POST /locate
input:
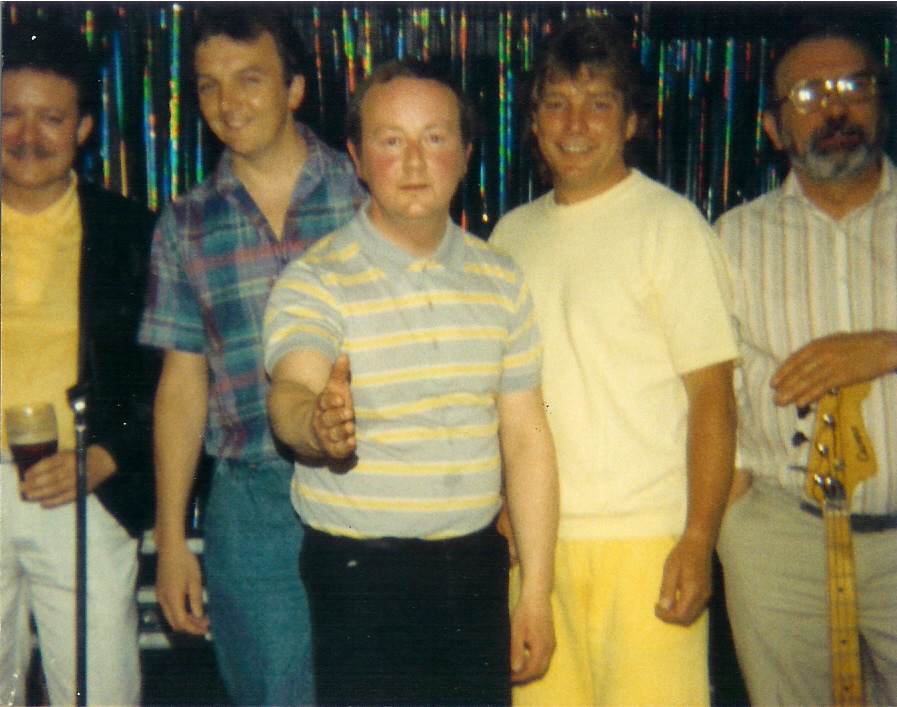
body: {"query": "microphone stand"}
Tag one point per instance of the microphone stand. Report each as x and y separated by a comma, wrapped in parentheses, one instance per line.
(78, 403)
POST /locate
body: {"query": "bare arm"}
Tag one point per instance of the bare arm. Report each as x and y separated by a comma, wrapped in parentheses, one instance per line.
(833, 361)
(686, 583)
(179, 415)
(531, 486)
(310, 405)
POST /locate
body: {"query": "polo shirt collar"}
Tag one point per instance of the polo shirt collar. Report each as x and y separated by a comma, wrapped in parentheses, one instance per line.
(393, 258)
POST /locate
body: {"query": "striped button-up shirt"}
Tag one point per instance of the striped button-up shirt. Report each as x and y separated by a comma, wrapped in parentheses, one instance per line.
(800, 275)
(432, 343)
(214, 261)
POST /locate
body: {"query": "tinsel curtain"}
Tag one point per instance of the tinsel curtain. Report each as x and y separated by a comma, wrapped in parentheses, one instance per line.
(704, 61)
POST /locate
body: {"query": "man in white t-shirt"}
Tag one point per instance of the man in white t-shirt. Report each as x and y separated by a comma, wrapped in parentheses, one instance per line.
(626, 282)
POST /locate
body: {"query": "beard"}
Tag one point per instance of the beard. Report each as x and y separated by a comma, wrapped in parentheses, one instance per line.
(853, 151)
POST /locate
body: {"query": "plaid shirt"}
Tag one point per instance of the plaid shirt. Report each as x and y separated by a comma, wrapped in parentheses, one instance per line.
(215, 259)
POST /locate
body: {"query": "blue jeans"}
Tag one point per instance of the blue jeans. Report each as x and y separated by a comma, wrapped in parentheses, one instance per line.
(257, 603)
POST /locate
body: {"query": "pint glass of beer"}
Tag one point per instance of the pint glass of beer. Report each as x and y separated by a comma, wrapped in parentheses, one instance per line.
(31, 432)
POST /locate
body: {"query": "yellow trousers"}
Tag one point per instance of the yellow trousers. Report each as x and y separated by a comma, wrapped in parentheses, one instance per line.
(611, 648)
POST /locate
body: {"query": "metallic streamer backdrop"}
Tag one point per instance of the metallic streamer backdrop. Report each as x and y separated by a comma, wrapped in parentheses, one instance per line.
(704, 61)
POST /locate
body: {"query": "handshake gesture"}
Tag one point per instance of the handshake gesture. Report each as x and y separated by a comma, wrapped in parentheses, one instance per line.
(333, 420)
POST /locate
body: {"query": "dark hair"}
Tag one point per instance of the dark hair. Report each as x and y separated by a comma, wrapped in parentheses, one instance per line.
(246, 22)
(53, 47)
(599, 44)
(410, 68)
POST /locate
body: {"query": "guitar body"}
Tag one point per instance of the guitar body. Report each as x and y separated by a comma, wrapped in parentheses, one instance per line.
(841, 457)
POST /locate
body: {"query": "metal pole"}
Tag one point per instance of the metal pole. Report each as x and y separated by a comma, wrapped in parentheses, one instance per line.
(79, 405)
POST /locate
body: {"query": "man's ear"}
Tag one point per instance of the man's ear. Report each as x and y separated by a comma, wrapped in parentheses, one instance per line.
(85, 126)
(772, 127)
(631, 125)
(353, 153)
(296, 91)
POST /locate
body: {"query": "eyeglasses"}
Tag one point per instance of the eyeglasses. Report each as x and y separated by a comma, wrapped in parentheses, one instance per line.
(810, 95)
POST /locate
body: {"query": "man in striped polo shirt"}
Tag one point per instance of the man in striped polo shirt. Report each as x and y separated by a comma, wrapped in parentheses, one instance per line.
(815, 272)
(402, 462)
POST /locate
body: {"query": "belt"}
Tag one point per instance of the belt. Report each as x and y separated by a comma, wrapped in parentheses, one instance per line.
(392, 544)
(859, 522)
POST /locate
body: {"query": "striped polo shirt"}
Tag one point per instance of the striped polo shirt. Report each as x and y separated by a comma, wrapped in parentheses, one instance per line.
(432, 342)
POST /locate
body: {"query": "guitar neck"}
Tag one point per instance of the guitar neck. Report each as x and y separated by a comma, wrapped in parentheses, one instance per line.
(847, 681)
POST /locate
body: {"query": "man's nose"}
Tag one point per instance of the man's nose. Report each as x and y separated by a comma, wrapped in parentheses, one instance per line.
(27, 131)
(575, 119)
(227, 97)
(414, 152)
(833, 103)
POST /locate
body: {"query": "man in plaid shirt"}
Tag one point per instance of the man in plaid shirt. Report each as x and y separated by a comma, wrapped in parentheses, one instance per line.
(216, 253)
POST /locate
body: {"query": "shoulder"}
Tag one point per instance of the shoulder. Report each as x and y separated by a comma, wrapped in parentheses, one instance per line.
(490, 261)
(99, 201)
(518, 220)
(333, 251)
(659, 201)
(104, 212)
(337, 171)
(750, 215)
(336, 161)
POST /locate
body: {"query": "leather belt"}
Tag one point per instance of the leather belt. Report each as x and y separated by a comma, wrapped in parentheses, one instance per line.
(859, 522)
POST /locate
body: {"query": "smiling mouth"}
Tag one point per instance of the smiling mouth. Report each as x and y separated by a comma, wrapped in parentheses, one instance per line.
(574, 148)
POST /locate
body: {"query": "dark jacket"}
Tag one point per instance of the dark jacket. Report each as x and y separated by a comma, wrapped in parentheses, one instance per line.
(118, 374)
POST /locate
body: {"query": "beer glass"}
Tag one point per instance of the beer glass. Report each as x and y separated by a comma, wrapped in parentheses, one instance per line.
(31, 432)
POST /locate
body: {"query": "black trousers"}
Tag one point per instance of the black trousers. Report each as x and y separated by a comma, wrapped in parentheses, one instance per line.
(409, 622)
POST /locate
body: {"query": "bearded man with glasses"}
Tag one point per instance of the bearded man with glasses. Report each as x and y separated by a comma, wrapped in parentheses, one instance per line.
(815, 281)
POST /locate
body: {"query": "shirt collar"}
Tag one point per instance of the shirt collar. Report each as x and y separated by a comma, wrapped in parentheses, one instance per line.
(385, 253)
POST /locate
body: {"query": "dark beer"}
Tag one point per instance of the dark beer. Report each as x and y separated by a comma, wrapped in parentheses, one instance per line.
(28, 454)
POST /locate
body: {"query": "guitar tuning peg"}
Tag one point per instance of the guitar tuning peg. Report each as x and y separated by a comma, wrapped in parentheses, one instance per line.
(799, 438)
(803, 411)
(822, 448)
(829, 419)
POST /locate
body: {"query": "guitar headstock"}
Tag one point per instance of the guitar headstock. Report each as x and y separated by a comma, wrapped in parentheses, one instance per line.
(841, 453)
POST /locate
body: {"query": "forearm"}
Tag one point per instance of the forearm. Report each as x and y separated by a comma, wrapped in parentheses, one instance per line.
(291, 409)
(531, 488)
(710, 455)
(179, 414)
(532, 500)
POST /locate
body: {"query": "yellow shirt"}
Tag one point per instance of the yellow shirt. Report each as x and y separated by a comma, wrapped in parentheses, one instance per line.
(39, 264)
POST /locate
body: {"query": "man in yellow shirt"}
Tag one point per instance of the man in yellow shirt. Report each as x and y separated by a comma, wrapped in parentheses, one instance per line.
(73, 276)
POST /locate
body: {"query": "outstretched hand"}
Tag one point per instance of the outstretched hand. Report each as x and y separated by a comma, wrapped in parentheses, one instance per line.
(334, 415)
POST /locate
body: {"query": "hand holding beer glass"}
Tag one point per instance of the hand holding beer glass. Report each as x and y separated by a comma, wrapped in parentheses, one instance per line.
(32, 434)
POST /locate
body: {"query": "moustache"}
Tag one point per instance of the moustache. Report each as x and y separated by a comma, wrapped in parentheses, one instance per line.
(24, 150)
(842, 129)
